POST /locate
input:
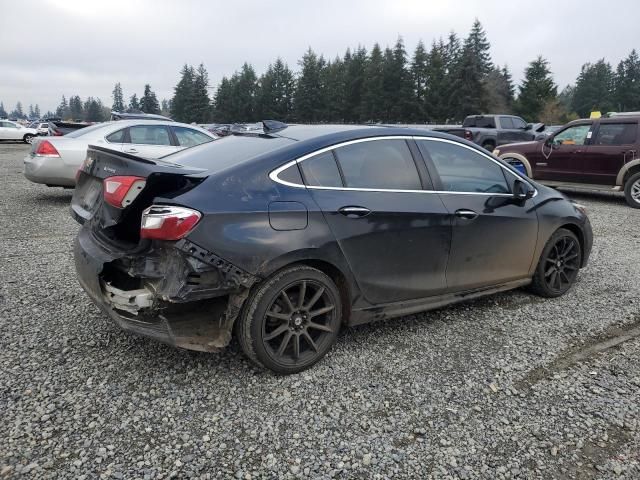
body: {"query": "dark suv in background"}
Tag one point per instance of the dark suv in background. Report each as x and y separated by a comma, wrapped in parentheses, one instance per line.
(590, 154)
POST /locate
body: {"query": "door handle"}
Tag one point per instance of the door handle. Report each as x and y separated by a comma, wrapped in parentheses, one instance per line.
(131, 150)
(466, 214)
(354, 212)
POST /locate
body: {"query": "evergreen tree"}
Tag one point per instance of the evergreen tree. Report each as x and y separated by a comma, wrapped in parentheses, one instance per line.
(223, 102)
(118, 99)
(63, 109)
(183, 95)
(627, 84)
(36, 111)
(308, 99)
(93, 111)
(500, 90)
(469, 74)
(244, 89)
(149, 102)
(76, 110)
(18, 112)
(3, 112)
(165, 107)
(200, 102)
(419, 77)
(594, 89)
(373, 87)
(333, 80)
(437, 89)
(355, 65)
(134, 104)
(536, 89)
(274, 97)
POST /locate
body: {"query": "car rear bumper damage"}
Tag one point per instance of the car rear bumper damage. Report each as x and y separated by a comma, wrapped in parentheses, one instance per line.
(176, 292)
(49, 170)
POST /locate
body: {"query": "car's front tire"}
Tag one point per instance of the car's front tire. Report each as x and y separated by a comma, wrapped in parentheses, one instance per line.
(558, 266)
(291, 320)
(632, 190)
(28, 138)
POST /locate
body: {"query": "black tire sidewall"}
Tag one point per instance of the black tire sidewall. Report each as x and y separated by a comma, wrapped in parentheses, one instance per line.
(562, 232)
(261, 299)
(627, 190)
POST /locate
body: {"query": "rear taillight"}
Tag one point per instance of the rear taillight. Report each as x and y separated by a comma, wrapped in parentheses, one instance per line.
(46, 149)
(468, 135)
(120, 191)
(165, 222)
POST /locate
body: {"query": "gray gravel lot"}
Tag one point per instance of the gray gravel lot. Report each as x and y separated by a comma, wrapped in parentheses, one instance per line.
(503, 387)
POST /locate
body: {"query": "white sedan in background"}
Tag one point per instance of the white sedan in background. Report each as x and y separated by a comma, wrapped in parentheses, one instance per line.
(14, 131)
(54, 161)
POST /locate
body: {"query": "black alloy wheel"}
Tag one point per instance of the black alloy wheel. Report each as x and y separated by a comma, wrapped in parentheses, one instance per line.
(291, 320)
(559, 265)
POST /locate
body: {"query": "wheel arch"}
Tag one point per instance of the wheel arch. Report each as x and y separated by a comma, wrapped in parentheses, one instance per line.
(577, 231)
(628, 170)
(521, 158)
(340, 274)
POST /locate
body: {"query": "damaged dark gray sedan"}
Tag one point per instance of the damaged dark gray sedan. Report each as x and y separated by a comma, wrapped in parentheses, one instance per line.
(285, 235)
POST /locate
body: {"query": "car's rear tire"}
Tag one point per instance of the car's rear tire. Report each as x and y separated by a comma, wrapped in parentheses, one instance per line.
(558, 266)
(28, 138)
(632, 190)
(291, 320)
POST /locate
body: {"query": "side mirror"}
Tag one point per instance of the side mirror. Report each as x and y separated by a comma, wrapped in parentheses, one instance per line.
(529, 126)
(522, 190)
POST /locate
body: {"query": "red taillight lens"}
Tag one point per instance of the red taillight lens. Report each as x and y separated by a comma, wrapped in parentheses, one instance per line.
(120, 191)
(46, 149)
(165, 222)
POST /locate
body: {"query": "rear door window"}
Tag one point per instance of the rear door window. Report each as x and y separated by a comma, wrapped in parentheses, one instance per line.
(378, 164)
(616, 134)
(188, 137)
(463, 170)
(149, 135)
(321, 171)
(518, 123)
(506, 123)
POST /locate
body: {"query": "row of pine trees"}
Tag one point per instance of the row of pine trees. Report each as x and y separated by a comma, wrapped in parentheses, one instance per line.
(444, 83)
(450, 80)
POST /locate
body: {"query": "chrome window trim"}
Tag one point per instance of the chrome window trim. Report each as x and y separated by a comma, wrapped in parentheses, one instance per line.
(274, 173)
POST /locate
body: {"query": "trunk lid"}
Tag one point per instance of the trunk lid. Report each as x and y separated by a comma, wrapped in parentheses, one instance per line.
(121, 226)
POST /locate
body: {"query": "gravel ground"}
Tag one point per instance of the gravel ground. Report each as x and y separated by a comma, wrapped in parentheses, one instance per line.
(503, 387)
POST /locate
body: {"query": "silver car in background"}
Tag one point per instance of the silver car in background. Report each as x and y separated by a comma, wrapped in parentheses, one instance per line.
(54, 161)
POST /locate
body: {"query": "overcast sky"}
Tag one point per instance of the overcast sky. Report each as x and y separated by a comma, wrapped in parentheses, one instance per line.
(53, 47)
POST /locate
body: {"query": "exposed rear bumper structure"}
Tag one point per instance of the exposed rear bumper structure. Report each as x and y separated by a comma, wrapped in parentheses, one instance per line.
(169, 295)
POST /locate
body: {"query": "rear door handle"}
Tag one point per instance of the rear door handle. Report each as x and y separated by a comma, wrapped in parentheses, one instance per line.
(354, 212)
(466, 214)
(131, 150)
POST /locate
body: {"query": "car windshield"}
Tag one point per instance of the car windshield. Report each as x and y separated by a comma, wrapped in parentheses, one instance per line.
(85, 130)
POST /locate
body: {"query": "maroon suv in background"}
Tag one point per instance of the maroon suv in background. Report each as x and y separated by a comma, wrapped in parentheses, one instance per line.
(592, 154)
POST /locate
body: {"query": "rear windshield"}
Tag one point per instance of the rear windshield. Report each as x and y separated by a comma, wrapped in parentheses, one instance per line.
(84, 130)
(479, 122)
(226, 152)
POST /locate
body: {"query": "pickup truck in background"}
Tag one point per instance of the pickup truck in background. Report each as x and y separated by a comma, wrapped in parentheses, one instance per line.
(491, 131)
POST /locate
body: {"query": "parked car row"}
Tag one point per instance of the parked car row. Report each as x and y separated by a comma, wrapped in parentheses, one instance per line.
(54, 161)
(14, 131)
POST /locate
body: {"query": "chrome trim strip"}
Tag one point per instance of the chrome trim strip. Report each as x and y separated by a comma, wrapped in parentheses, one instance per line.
(274, 173)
